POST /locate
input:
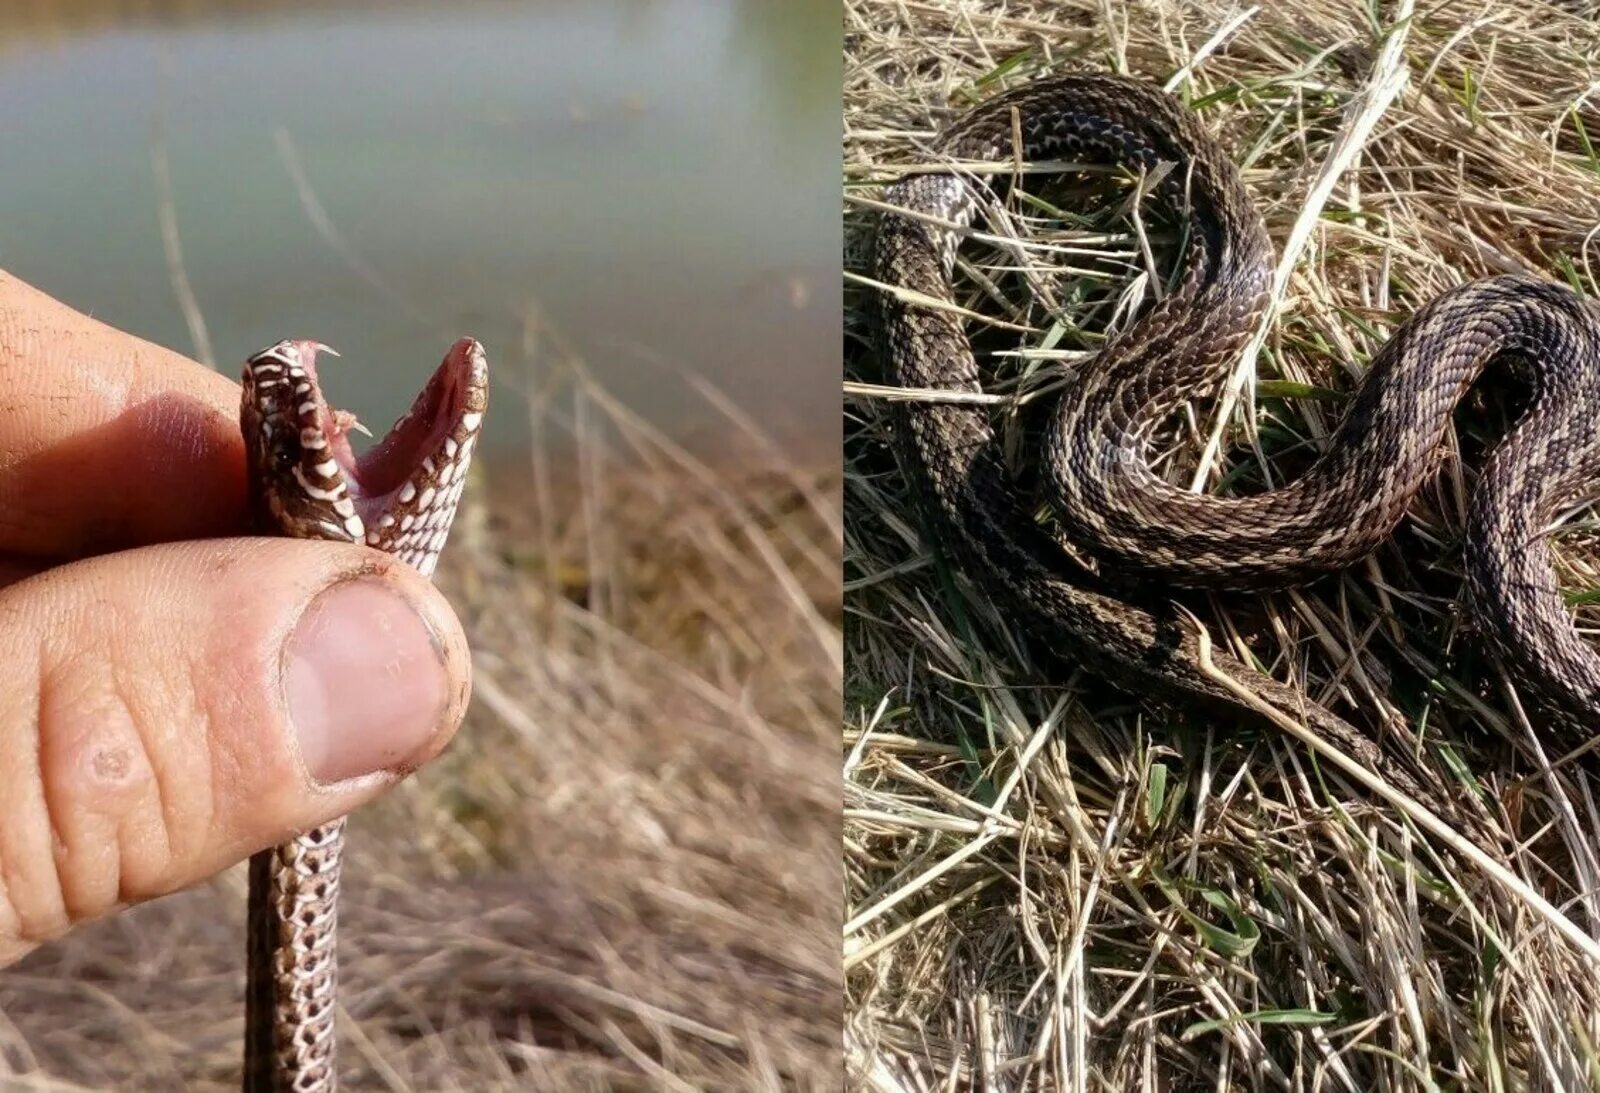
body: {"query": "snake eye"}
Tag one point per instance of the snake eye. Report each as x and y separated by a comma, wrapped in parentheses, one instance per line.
(284, 458)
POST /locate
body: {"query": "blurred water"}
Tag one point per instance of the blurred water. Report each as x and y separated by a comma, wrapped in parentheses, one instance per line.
(657, 178)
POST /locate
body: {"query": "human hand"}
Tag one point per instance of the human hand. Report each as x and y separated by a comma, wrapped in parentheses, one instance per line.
(171, 700)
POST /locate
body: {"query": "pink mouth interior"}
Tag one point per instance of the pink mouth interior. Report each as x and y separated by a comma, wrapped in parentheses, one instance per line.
(375, 476)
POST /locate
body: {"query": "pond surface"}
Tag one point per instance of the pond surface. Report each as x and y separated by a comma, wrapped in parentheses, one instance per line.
(654, 181)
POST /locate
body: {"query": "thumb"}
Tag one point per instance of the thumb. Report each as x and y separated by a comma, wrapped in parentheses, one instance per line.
(166, 712)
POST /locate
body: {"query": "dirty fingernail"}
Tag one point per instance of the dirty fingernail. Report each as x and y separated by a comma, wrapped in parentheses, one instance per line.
(365, 681)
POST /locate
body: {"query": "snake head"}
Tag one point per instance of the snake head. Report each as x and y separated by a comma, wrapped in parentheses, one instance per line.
(401, 495)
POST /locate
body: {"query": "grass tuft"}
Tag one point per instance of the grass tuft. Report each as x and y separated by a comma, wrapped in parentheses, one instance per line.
(1049, 886)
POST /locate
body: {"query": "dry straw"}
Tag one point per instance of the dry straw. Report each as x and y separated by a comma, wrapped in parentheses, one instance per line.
(1051, 887)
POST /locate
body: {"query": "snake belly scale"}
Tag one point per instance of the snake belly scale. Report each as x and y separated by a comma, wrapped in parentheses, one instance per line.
(400, 498)
(1114, 510)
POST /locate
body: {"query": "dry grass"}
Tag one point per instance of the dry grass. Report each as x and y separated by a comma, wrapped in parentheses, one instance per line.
(1048, 887)
(623, 875)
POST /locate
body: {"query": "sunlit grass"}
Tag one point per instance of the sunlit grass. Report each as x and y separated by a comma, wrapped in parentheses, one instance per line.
(1049, 886)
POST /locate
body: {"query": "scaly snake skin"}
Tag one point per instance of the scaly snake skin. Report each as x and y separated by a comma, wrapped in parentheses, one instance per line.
(1121, 523)
(399, 498)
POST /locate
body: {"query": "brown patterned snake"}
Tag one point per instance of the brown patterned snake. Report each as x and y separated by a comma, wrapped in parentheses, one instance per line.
(399, 498)
(1116, 511)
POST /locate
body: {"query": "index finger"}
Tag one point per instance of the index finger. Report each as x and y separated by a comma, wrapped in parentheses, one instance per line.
(108, 441)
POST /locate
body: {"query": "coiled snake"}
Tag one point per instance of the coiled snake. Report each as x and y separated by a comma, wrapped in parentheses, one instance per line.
(1115, 511)
(399, 498)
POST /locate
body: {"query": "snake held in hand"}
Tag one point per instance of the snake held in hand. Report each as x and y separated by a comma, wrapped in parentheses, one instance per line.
(400, 497)
(1116, 511)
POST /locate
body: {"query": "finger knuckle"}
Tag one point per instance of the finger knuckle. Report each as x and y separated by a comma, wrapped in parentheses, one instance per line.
(113, 831)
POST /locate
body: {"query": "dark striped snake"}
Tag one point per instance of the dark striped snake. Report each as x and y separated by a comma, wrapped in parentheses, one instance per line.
(1120, 524)
(400, 498)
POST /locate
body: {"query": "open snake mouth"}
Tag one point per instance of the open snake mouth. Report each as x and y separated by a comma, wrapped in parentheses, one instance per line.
(399, 495)
(419, 442)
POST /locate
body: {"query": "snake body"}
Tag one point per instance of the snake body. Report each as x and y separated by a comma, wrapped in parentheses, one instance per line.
(1120, 523)
(399, 498)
